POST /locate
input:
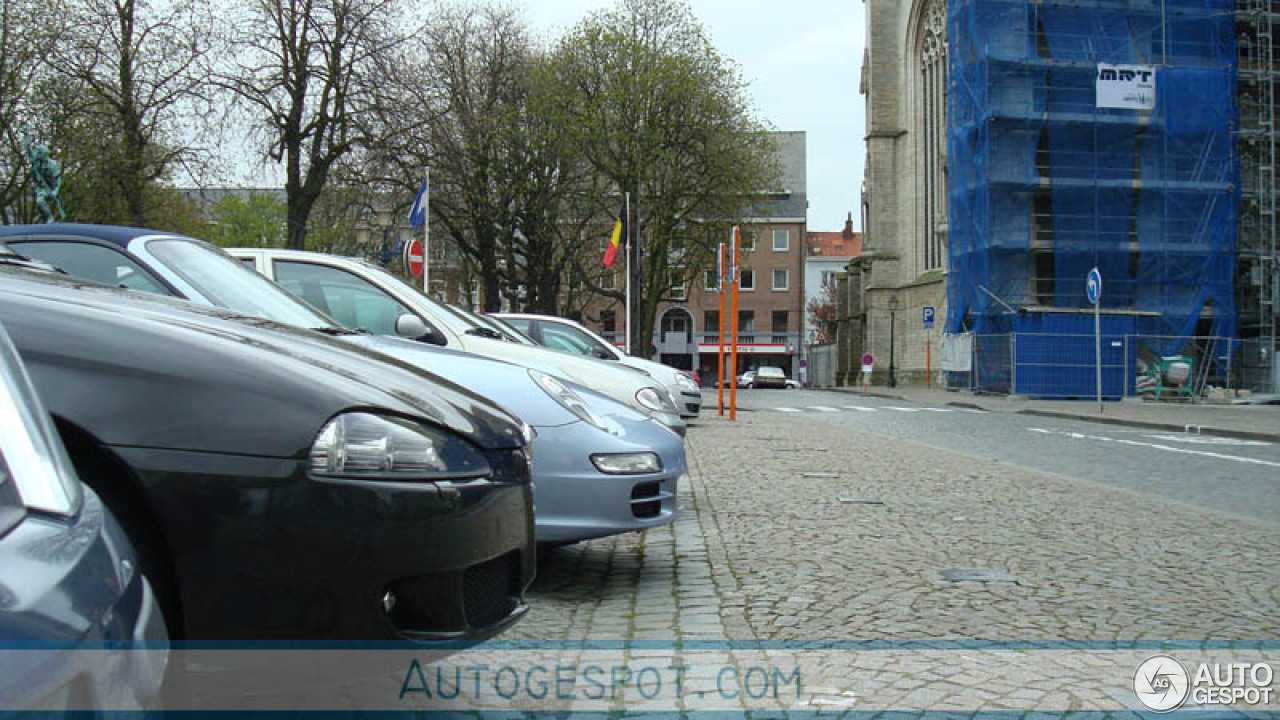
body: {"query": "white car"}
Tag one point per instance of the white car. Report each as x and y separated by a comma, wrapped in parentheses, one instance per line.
(564, 334)
(363, 296)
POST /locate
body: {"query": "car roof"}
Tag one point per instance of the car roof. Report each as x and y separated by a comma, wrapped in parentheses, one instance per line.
(115, 234)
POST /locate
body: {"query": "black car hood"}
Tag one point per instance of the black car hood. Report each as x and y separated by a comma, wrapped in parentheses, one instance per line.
(141, 370)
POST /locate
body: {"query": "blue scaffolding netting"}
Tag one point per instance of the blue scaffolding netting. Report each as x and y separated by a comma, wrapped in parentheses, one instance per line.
(1043, 184)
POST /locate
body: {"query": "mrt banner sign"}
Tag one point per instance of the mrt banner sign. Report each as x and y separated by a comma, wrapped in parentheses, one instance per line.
(1126, 87)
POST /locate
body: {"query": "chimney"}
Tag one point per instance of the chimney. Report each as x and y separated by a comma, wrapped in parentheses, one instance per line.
(848, 228)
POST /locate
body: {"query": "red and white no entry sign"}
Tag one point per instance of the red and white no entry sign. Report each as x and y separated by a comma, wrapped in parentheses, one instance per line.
(413, 257)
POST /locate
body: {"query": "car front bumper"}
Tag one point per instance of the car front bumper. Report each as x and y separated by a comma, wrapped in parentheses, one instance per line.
(575, 501)
(689, 402)
(263, 551)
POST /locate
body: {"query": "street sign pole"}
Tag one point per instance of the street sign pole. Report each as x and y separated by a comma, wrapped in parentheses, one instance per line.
(1093, 286)
(733, 325)
(928, 359)
(928, 345)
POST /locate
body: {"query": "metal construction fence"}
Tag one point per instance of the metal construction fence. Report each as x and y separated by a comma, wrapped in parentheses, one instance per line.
(1066, 366)
(822, 366)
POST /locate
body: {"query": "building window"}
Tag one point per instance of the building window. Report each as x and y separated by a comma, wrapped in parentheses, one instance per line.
(609, 280)
(608, 321)
(746, 321)
(709, 281)
(932, 92)
(711, 325)
(746, 240)
(781, 240)
(780, 321)
(747, 280)
(829, 278)
(781, 279)
(680, 293)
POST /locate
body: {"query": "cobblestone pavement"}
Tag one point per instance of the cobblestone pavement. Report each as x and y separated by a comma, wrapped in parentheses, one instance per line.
(765, 554)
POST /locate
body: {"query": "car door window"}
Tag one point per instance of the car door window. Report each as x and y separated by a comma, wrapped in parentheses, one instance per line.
(348, 298)
(571, 335)
(90, 261)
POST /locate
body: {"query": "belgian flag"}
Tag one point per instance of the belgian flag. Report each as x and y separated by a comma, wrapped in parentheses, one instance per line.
(616, 238)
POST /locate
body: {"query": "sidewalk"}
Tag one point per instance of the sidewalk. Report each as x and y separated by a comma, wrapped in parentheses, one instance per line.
(1253, 422)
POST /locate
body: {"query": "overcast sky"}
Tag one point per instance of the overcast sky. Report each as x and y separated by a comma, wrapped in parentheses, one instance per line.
(801, 60)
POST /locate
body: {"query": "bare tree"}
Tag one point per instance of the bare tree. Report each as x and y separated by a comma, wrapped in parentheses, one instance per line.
(310, 72)
(136, 70)
(27, 33)
(660, 114)
(502, 175)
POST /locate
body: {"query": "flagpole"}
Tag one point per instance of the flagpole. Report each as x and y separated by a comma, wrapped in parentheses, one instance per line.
(627, 226)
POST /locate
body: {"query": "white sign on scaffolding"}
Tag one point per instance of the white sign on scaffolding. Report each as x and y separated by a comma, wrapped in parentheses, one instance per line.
(1126, 87)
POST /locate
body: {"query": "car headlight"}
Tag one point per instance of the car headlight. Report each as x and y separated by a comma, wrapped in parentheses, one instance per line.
(572, 401)
(686, 382)
(658, 401)
(640, 463)
(364, 445)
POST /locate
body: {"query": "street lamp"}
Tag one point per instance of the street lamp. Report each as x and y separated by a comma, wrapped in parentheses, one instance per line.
(384, 221)
(893, 309)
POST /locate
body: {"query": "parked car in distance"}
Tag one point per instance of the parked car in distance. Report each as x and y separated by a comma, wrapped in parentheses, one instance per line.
(578, 430)
(363, 296)
(284, 485)
(752, 379)
(69, 578)
(565, 334)
(767, 376)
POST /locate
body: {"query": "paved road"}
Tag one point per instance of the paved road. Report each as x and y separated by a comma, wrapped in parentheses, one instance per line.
(831, 524)
(1226, 474)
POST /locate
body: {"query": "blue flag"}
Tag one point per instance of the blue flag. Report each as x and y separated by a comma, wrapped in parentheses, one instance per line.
(418, 213)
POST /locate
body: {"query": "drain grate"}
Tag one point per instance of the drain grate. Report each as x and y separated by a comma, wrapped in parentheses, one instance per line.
(855, 500)
(800, 450)
(820, 475)
(978, 575)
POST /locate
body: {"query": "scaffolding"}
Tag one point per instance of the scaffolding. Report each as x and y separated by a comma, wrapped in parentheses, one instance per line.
(1258, 264)
(1044, 182)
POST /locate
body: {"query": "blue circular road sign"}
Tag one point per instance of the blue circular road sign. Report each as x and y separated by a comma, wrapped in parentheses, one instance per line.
(1093, 285)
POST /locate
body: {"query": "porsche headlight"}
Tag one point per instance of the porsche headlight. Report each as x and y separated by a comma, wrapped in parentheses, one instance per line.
(571, 401)
(641, 463)
(364, 445)
(658, 401)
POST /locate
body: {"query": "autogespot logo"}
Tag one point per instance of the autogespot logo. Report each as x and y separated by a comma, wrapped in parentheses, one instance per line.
(1161, 683)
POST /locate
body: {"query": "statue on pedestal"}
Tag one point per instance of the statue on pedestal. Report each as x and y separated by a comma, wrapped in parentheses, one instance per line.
(46, 178)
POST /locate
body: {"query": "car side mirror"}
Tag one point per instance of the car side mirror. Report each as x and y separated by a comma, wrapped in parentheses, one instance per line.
(412, 327)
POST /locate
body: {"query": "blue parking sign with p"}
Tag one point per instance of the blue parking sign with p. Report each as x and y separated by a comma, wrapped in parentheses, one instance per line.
(928, 318)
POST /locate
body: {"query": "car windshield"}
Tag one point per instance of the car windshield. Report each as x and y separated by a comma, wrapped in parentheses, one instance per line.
(228, 283)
